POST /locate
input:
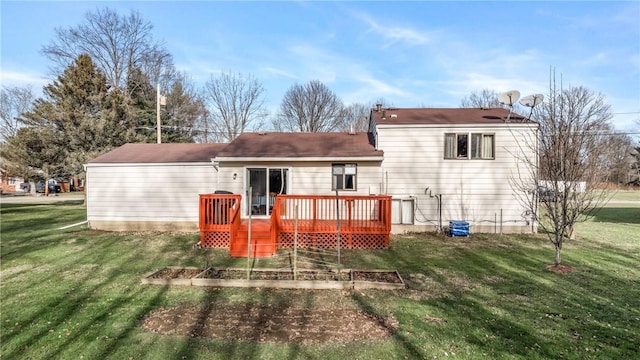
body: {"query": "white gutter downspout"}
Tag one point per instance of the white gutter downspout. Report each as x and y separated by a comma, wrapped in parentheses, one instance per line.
(216, 165)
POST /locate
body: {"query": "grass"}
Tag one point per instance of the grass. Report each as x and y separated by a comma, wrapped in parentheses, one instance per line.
(625, 195)
(76, 293)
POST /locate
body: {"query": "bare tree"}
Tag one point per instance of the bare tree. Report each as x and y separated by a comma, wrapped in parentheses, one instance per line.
(484, 99)
(563, 178)
(618, 158)
(235, 103)
(14, 101)
(311, 107)
(356, 117)
(116, 43)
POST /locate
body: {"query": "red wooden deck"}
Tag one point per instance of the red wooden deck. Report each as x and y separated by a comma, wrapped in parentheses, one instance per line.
(312, 220)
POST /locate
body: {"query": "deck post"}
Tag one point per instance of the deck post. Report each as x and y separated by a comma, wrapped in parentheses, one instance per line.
(295, 245)
(249, 193)
(338, 227)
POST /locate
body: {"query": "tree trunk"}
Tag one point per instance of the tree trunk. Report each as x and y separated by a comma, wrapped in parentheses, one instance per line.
(558, 256)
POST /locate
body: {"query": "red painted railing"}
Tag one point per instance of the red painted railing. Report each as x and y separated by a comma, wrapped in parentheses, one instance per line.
(363, 222)
(219, 219)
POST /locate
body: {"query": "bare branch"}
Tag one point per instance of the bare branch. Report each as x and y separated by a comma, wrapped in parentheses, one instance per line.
(14, 101)
(311, 107)
(117, 44)
(235, 103)
(565, 159)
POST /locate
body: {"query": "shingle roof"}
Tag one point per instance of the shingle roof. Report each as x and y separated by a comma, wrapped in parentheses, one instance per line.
(300, 145)
(444, 116)
(160, 153)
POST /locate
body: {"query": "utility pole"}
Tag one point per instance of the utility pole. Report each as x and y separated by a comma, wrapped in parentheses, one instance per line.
(158, 131)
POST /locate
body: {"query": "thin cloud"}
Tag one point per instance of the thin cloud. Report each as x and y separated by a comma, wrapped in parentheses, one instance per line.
(278, 72)
(22, 79)
(395, 33)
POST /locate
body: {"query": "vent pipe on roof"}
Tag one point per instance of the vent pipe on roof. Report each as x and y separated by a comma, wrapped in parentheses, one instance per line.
(351, 131)
(384, 115)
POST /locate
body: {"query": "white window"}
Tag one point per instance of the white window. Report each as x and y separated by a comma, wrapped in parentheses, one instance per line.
(402, 211)
(456, 146)
(343, 177)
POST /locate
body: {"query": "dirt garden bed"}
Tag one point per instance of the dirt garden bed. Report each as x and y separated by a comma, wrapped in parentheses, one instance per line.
(277, 278)
(270, 324)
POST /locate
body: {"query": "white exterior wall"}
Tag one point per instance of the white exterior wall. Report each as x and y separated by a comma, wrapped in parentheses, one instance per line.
(125, 197)
(477, 191)
(305, 177)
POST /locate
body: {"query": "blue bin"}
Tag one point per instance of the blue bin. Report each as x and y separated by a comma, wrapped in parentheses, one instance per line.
(458, 228)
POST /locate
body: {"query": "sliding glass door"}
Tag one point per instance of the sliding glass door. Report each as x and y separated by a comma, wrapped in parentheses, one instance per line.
(265, 184)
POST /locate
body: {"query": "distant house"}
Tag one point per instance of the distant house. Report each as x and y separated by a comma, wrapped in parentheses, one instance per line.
(10, 184)
(418, 156)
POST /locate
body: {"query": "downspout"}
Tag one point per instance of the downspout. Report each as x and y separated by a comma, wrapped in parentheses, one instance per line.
(439, 199)
(216, 165)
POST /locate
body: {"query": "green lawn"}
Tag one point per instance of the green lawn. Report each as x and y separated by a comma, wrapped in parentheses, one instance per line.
(625, 195)
(76, 293)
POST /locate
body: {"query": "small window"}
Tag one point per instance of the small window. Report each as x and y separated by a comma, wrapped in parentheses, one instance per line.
(456, 146)
(343, 177)
(482, 146)
(402, 211)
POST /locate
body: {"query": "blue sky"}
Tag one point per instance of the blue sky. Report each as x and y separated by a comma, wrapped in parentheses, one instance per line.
(409, 53)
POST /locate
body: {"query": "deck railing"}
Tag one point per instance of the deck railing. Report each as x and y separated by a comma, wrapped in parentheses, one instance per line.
(362, 221)
(219, 219)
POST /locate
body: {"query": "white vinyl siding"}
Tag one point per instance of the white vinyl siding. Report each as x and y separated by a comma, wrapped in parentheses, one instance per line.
(414, 165)
(146, 193)
(305, 177)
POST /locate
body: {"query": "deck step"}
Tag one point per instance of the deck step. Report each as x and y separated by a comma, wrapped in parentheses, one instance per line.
(261, 242)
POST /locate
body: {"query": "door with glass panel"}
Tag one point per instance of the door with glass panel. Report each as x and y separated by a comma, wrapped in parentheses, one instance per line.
(265, 184)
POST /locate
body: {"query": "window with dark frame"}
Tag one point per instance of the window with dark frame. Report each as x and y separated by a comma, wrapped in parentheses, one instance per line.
(343, 177)
(457, 146)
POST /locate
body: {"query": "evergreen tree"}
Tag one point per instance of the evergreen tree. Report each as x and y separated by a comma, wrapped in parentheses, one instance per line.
(67, 127)
(182, 112)
(141, 107)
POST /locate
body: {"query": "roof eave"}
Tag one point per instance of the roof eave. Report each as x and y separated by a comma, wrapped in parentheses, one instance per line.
(115, 164)
(448, 125)
(305, 158)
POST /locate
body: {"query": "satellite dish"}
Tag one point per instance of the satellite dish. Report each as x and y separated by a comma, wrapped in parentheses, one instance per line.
(532, 100)
(509, 97)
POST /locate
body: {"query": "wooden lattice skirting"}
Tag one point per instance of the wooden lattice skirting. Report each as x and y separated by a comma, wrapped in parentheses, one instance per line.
(330, 240)
(214, 239)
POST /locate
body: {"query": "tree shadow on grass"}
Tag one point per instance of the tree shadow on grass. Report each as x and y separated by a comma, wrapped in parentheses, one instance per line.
(507, 303)
(77, 306)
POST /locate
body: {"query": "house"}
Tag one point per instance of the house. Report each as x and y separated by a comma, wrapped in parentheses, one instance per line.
(10, 184)
(454, 164)
(149, 186)
(297, 163)
(436, 164)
